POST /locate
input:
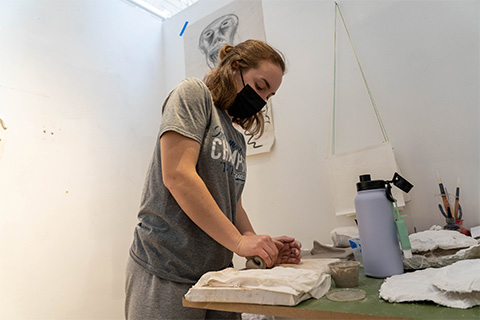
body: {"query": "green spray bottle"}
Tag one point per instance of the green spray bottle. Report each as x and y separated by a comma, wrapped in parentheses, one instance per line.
(402, 230)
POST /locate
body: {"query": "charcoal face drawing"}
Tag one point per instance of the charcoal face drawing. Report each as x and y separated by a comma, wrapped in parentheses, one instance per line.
(217, 34)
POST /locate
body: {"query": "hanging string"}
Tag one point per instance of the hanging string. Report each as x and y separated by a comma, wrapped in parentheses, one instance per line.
(332, 115)
(372, 100)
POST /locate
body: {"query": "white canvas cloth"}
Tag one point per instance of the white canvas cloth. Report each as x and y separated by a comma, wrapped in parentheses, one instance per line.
(430, 240)
(344, 171)
(439, 248)
(341, 235)
(283, 285)
(427, 285)
(462, 276)
(439, 259)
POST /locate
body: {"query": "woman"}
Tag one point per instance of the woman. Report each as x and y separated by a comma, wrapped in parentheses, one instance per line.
(191, 217)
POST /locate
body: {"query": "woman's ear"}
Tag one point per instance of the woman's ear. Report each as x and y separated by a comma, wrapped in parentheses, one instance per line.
(235, 65)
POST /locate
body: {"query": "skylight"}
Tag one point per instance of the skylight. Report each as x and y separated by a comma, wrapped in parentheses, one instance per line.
(163, 9)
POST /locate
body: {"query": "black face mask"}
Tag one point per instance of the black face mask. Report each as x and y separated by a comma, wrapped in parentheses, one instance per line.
(247, 103)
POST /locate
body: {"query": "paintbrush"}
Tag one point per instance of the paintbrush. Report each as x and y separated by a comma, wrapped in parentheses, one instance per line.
(457, 200)
(446, 205)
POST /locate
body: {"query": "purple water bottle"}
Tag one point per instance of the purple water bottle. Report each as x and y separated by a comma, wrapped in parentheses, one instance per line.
(381, 252)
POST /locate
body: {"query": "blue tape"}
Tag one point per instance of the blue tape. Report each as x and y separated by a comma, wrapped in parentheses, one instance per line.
(184, 27)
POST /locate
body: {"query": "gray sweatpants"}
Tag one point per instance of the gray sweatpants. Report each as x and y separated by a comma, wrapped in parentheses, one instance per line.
(149, 297)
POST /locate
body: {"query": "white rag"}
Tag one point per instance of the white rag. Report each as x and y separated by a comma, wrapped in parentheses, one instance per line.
(430, 240)
(286, 284)
(278, 279)
(458, 291)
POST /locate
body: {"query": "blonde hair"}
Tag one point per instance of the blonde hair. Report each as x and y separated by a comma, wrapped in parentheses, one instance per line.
(221, 80)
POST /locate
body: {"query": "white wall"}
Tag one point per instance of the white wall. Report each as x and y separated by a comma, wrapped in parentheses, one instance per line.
(421, 59)
(80, 93)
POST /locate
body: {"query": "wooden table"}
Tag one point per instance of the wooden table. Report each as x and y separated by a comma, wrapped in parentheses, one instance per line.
(372, 307)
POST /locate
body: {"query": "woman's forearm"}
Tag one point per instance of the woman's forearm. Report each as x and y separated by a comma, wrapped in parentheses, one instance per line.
(179, 157)
(196, 201)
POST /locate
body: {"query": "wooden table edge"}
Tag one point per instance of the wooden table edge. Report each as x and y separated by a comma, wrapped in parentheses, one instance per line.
(283, 311)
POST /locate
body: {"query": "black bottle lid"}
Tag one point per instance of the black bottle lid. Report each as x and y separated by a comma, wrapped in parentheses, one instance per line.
(366, 183)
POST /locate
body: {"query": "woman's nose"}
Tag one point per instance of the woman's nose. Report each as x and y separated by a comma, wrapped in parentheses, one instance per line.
(263, 95)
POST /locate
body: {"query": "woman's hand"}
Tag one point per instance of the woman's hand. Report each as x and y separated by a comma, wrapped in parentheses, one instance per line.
(265, 247)
(289, 250)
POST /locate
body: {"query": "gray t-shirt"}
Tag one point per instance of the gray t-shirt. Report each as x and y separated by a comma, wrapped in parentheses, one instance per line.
(166, 242)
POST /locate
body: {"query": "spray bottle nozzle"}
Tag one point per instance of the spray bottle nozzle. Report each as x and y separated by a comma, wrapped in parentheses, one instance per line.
(399, 182)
